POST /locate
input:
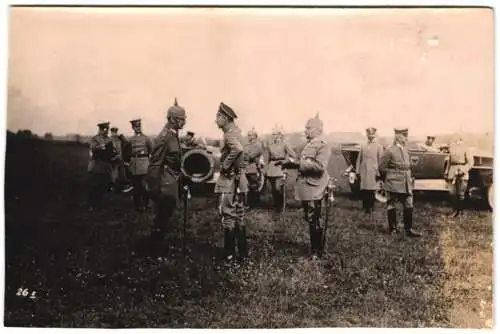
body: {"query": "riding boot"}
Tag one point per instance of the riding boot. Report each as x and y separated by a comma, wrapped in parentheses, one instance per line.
(251, 200)
(313, 238)
(279, 208)
(392, 220)
(275, 199)
(459, 207)
(364, 199)
(242, 243)
(408, 223)
(319, 242)
(229, 243)
(371, 203)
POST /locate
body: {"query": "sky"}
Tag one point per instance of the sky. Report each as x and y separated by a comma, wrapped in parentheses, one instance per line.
(430, 70)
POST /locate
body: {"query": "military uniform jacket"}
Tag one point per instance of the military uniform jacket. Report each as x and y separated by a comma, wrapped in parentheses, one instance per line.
(312, 178)
(395, 165)
(233, 160)
(117, 144)
(101, 159)
(367, 164)
(275, 152)
(141, 147)
(253, 151)
(461, 159)
(164, 167)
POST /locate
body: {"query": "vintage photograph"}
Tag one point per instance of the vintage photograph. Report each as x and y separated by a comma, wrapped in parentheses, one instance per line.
(223, 167)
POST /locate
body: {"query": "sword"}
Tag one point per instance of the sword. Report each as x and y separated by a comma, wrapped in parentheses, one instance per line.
(187, 196)
(285, 174)
(329, 198)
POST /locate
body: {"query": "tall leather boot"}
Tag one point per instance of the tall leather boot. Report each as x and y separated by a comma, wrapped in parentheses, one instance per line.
(365, 199)
(371, 203)
(229, 236)
(319, 242)
(242, 243)
(251, 203)
(392, 220)
(459, 208)
(408, 223)
(313, 238)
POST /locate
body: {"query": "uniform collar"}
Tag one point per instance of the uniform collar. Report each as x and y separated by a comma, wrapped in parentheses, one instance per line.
(320, 137)
(169, 127)
(228, 127)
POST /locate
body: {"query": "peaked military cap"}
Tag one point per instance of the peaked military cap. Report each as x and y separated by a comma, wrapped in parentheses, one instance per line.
(136, 121)
(401, 131)
(277, 130)
(176, 110)
(252, 132)
(190, 133)
(103, 125)
(114, 129)
(227, 110)
(431, 137)
(371, 130)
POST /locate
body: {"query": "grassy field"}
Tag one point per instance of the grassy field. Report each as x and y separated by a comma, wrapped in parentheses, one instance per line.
(86, 269)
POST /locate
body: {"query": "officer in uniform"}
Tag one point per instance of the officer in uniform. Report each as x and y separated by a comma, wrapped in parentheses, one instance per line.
(232, 184)
(395, 170)
(429, 144)
(253, 150)
(190, 142)
(164, 172)
(102, 155)
(141, 148)
(461, 161)
(367, 169)
(276, 152)
(312, 180)
(118, 172)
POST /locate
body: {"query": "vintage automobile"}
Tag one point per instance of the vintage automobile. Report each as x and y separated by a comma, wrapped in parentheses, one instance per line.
(430, 170)
(201, 166)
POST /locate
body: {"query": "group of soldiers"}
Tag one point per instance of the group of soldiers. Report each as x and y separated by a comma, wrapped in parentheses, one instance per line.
(393, 167)
(155, 169)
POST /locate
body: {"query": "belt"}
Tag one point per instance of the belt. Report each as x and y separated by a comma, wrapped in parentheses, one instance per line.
(399, 168)
(458, 164)
(276, 159)
(140, 155)
(172, 171)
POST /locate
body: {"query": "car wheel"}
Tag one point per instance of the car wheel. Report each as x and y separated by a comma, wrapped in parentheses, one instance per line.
(380, 194)
(490, 196)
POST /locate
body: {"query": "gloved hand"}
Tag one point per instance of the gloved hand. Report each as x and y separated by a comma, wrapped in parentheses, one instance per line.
(226, 172)
(288, 163)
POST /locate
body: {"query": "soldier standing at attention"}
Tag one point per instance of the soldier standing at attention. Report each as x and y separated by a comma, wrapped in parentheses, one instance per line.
(461, 161)
(367, 169)
(100, 166)
(312, 180)
(395, 170)
(276, 152)
(232, 184)
(164, 172)
(141, 148)
(253, 150)
(118, 172)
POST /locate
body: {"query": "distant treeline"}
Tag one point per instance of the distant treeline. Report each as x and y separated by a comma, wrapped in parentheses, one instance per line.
(296, 139)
